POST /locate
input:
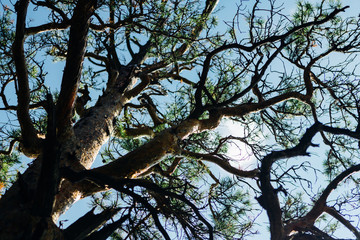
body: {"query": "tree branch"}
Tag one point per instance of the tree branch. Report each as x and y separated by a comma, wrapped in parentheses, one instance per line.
(269, 199)
(272, 39)
(223, 164)
(119, 185)
(195, 32)
(51, 6)
(139, 132)
(75, 57)
(31, 143)
(344, 221)
(31, 106)
(256, 77)
(46, 27)
(145, 81)
(320, 205)
(88, 224)
(11, 148)
(107, 230)
(243, 109)
(49, 26)
(49, 179)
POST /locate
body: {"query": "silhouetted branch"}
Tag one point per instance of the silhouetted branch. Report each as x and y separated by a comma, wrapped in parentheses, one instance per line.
(320, 205)
(271, 39)
(49, 178)
(89, 223)
(11, 148)
(30, 141)
(269, 198)
(222, 163)
(341, 219)
(108, 229)
(119, 185)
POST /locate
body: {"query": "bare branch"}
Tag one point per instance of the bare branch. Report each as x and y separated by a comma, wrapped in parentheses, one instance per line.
(89, 223)
(223, 164)
(51, 6)
(11, 148)
(46, 27)
(75, 57)
(108, 229)
(247, 108)
(31, 142)
(344, 221)
(272, 39)
(269, 198)
(320, 205)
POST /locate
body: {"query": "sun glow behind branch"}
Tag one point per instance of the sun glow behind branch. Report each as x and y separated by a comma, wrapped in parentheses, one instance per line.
(239, 153)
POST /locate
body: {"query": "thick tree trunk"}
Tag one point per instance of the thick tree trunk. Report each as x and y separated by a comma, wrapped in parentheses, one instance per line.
(78, 152)
(17, 217)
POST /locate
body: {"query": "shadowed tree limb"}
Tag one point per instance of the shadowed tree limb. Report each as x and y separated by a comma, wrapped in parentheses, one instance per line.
(75, 58)
(108, 229)
(88, 224)
(49, 179)
(223, 164)
(320, 205)
(269, 199)
(11, 147)
(119, 185)
(344, 221)
(30, 142)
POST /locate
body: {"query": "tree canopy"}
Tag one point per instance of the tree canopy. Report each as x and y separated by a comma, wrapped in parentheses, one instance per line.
(127, 102)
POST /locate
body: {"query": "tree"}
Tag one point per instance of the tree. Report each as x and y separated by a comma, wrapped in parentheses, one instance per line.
(144, 86)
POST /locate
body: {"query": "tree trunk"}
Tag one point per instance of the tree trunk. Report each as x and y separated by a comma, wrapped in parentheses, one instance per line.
(78, 152)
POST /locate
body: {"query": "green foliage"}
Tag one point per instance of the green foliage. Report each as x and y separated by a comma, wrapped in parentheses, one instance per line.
(294, 207)
(7, 35)
(7, 173)
(229, 207)
(180, 105)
